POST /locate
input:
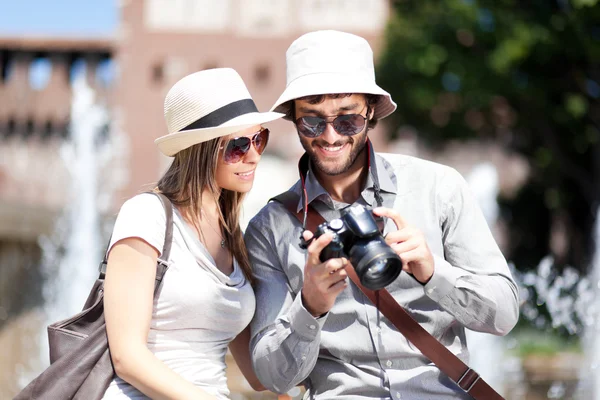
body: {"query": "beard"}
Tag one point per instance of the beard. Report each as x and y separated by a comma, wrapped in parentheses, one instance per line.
(337, 167)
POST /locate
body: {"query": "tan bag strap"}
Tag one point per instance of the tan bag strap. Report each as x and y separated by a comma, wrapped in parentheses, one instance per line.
(466, 378)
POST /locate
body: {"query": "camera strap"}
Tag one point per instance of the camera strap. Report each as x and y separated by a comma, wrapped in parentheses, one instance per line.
(466, 378)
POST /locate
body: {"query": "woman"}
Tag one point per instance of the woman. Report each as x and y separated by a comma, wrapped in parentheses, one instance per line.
(173, 346)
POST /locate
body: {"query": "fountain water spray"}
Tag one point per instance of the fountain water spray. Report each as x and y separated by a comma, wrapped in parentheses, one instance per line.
(589, 387)
(71, 254)
(486, 351)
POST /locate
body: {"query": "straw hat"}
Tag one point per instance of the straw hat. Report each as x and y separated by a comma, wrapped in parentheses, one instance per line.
(206, 105)
(329, 62)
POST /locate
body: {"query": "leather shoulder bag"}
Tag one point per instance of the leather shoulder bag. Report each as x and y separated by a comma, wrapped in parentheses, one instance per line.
(80, 364)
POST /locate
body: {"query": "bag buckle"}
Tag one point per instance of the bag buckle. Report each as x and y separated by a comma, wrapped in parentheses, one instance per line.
(163, 262)
(468, 380)
(102, 268)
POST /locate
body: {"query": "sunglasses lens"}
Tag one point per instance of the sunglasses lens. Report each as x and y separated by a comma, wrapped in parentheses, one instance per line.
(311, 126)
(349, 125)
(236, 149)
(260, 140)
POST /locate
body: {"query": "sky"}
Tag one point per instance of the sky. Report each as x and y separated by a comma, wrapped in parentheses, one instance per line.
(71, 18)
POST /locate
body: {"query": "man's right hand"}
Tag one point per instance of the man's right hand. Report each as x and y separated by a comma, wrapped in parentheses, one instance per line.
(323, 282)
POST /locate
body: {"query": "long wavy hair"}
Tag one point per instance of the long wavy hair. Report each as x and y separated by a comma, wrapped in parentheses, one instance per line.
(193, 170)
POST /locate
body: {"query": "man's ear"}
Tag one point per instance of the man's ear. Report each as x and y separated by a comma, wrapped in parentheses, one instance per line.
(371, 111)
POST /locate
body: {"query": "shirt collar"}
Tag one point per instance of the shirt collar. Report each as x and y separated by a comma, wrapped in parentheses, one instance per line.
(384, 172)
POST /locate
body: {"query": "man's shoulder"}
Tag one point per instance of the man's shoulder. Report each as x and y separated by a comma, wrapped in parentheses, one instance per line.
(273, 213)
(402, 163)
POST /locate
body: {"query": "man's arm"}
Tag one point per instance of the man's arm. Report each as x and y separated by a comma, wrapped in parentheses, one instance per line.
(285, 336)
(472, 281)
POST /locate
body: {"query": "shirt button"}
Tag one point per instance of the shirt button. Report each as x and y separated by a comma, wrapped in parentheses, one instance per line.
(429, 291)
(389, 363)
(398, 395)
(303, 357)
(312, 326)
(378, 330)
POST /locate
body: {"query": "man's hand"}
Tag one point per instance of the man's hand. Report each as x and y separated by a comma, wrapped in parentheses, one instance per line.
(323, 282)
(409, 243)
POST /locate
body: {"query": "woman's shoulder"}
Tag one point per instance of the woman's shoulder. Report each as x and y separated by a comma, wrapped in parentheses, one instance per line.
(141, 216)
(145, 201)
(144, 205)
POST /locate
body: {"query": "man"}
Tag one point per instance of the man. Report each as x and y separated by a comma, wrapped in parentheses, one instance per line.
(314, 327)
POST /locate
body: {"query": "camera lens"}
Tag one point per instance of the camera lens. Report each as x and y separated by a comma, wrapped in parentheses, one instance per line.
(376, 269)
(376, 264)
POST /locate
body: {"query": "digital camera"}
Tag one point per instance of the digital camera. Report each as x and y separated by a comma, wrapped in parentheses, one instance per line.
(356, 236)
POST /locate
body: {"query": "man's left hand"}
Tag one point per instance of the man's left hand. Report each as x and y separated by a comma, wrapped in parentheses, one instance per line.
(409, 243)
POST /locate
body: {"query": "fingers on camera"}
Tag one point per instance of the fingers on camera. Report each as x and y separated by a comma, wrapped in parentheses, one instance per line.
(307, 235)
(335, 264)
(317, 245)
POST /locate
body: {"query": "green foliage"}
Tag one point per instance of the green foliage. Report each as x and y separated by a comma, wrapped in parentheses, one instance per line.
(530, 341)
(523, 74)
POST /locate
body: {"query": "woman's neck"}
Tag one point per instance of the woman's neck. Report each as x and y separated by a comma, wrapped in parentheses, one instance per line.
(209, 206)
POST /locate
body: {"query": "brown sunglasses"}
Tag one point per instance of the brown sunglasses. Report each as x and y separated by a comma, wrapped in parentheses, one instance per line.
(237, 148)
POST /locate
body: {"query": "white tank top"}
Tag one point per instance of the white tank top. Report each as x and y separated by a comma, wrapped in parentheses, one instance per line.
(198, 309)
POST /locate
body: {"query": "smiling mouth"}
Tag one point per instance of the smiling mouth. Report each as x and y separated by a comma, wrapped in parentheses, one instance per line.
(249, 173)
(328, 149)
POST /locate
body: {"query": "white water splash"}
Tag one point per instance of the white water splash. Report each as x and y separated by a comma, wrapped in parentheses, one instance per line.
(71, 254)
(486, 351)
(589, 386)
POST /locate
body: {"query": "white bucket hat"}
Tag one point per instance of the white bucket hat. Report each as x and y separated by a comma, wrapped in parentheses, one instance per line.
(331, 62)
(206, 105)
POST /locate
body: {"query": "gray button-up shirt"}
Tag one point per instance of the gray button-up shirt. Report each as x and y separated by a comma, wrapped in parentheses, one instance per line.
(354, 351)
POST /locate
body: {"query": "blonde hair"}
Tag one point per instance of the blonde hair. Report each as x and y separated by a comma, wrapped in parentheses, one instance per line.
(193, 170)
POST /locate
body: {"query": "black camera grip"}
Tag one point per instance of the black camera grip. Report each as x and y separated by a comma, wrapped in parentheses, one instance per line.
(305, 243)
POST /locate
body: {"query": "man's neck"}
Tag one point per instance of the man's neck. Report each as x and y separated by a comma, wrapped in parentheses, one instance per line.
(346, 187)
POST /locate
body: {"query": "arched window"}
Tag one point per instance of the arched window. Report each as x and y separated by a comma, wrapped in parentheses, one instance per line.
(29, 127)
(77, 70)
(7, 66)
(40, 72)
(11, 127)
(64, 129)
(158, 73)
(48, 130)
(262, 73)
(106, 72)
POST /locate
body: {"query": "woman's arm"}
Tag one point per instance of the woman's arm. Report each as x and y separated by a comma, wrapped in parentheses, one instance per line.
(128, 301)
(240, 349)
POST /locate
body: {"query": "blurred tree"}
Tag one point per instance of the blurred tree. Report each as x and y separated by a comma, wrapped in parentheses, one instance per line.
(525, 74)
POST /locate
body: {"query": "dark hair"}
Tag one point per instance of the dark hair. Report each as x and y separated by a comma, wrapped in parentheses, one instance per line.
(290, 110)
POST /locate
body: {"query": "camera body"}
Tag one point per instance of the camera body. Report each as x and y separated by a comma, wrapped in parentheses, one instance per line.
(356, 236)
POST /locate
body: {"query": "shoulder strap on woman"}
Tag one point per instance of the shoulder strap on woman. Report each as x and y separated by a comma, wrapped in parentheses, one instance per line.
(162, 264)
